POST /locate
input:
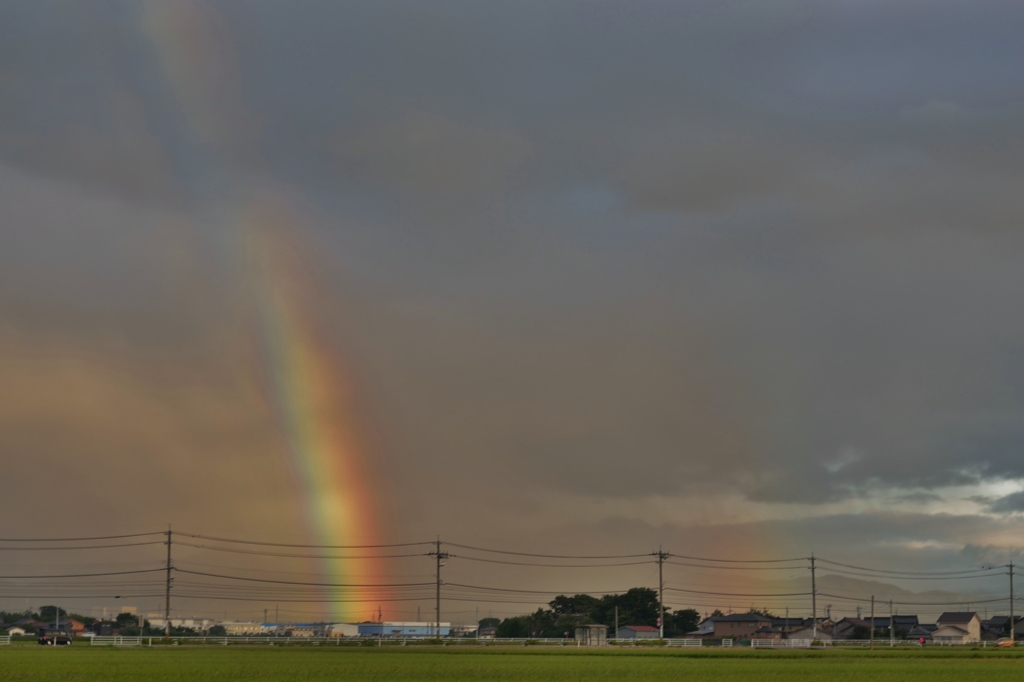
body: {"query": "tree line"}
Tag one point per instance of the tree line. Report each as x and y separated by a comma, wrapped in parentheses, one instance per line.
(638, 606)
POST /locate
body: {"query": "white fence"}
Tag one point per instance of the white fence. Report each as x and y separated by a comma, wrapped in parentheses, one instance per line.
(116, 641)
(5, 640)
(696, 643)
(781, 643)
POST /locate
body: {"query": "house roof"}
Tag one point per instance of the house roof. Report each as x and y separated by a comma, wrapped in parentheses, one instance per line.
(640, 628)
(858, 622)
(954, 617)
(741, 618)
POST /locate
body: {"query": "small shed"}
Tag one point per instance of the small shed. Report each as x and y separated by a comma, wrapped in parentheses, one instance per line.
(591, 635)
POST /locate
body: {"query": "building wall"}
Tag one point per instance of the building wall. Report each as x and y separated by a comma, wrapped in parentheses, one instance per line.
(737, 629)
(242, 628)
(344, 630)
(627, 633)
(402, 629)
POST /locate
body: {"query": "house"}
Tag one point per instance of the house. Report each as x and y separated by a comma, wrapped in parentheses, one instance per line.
(787, 625)
(905, 622)
(105, 628)
(995, 628)
(922, 630)
(739, 625)
(706, 628)
(958, 627)
(767, 633)
(807, 632)
(638, 632)
(487, 632)
(856, 628)
(16, 631)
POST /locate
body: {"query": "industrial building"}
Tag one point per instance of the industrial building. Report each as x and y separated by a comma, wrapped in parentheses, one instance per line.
(403, 629)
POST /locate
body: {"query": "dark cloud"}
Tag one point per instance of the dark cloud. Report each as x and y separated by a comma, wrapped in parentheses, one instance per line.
(1013, 502)
(581, 253)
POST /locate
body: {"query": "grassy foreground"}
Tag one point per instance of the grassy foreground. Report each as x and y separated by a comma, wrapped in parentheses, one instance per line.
(240, 663)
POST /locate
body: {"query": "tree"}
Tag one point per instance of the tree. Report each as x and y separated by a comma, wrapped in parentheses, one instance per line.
(637, 606)
(514, 627)
(128, 624)
(580, 605)
(762, 611)
(681, 621)
(489, 622)
(48, 613)
(717, 613)
(218, 631)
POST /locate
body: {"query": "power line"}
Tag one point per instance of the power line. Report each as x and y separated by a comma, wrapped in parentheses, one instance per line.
(738, 568)
(739, 594)
(77, 575)
(99, 537)
(864, 600)
(71, 549)
(292, 582)
(547, 556)
(742, 561)
(907, 573)
(298, 556)
(283, 544)
(988, 574)
(516, 563)
(503, 589)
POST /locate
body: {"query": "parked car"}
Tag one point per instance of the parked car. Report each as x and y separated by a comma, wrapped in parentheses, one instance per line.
(54, 637)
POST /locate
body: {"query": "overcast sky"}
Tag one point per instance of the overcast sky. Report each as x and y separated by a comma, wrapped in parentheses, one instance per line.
(739, 278)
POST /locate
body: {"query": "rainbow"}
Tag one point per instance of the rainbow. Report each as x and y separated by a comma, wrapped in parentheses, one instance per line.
(309, 391)
(314, 400)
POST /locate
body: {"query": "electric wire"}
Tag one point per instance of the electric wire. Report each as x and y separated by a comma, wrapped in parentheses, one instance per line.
(547, 556)
(298, 556)
(283, 544)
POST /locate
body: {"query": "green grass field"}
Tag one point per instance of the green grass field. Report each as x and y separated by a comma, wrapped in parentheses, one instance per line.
(241, 663)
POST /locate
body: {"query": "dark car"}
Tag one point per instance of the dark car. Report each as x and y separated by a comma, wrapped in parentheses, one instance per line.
(54, 637)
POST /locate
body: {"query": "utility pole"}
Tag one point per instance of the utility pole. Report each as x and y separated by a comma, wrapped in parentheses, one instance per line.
(814, 600)
(1012, 624)
(616, 622)
(661, 593)
(892, 627)
(871, 637)
(264, 615)
(440, 556)
(167, 601)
